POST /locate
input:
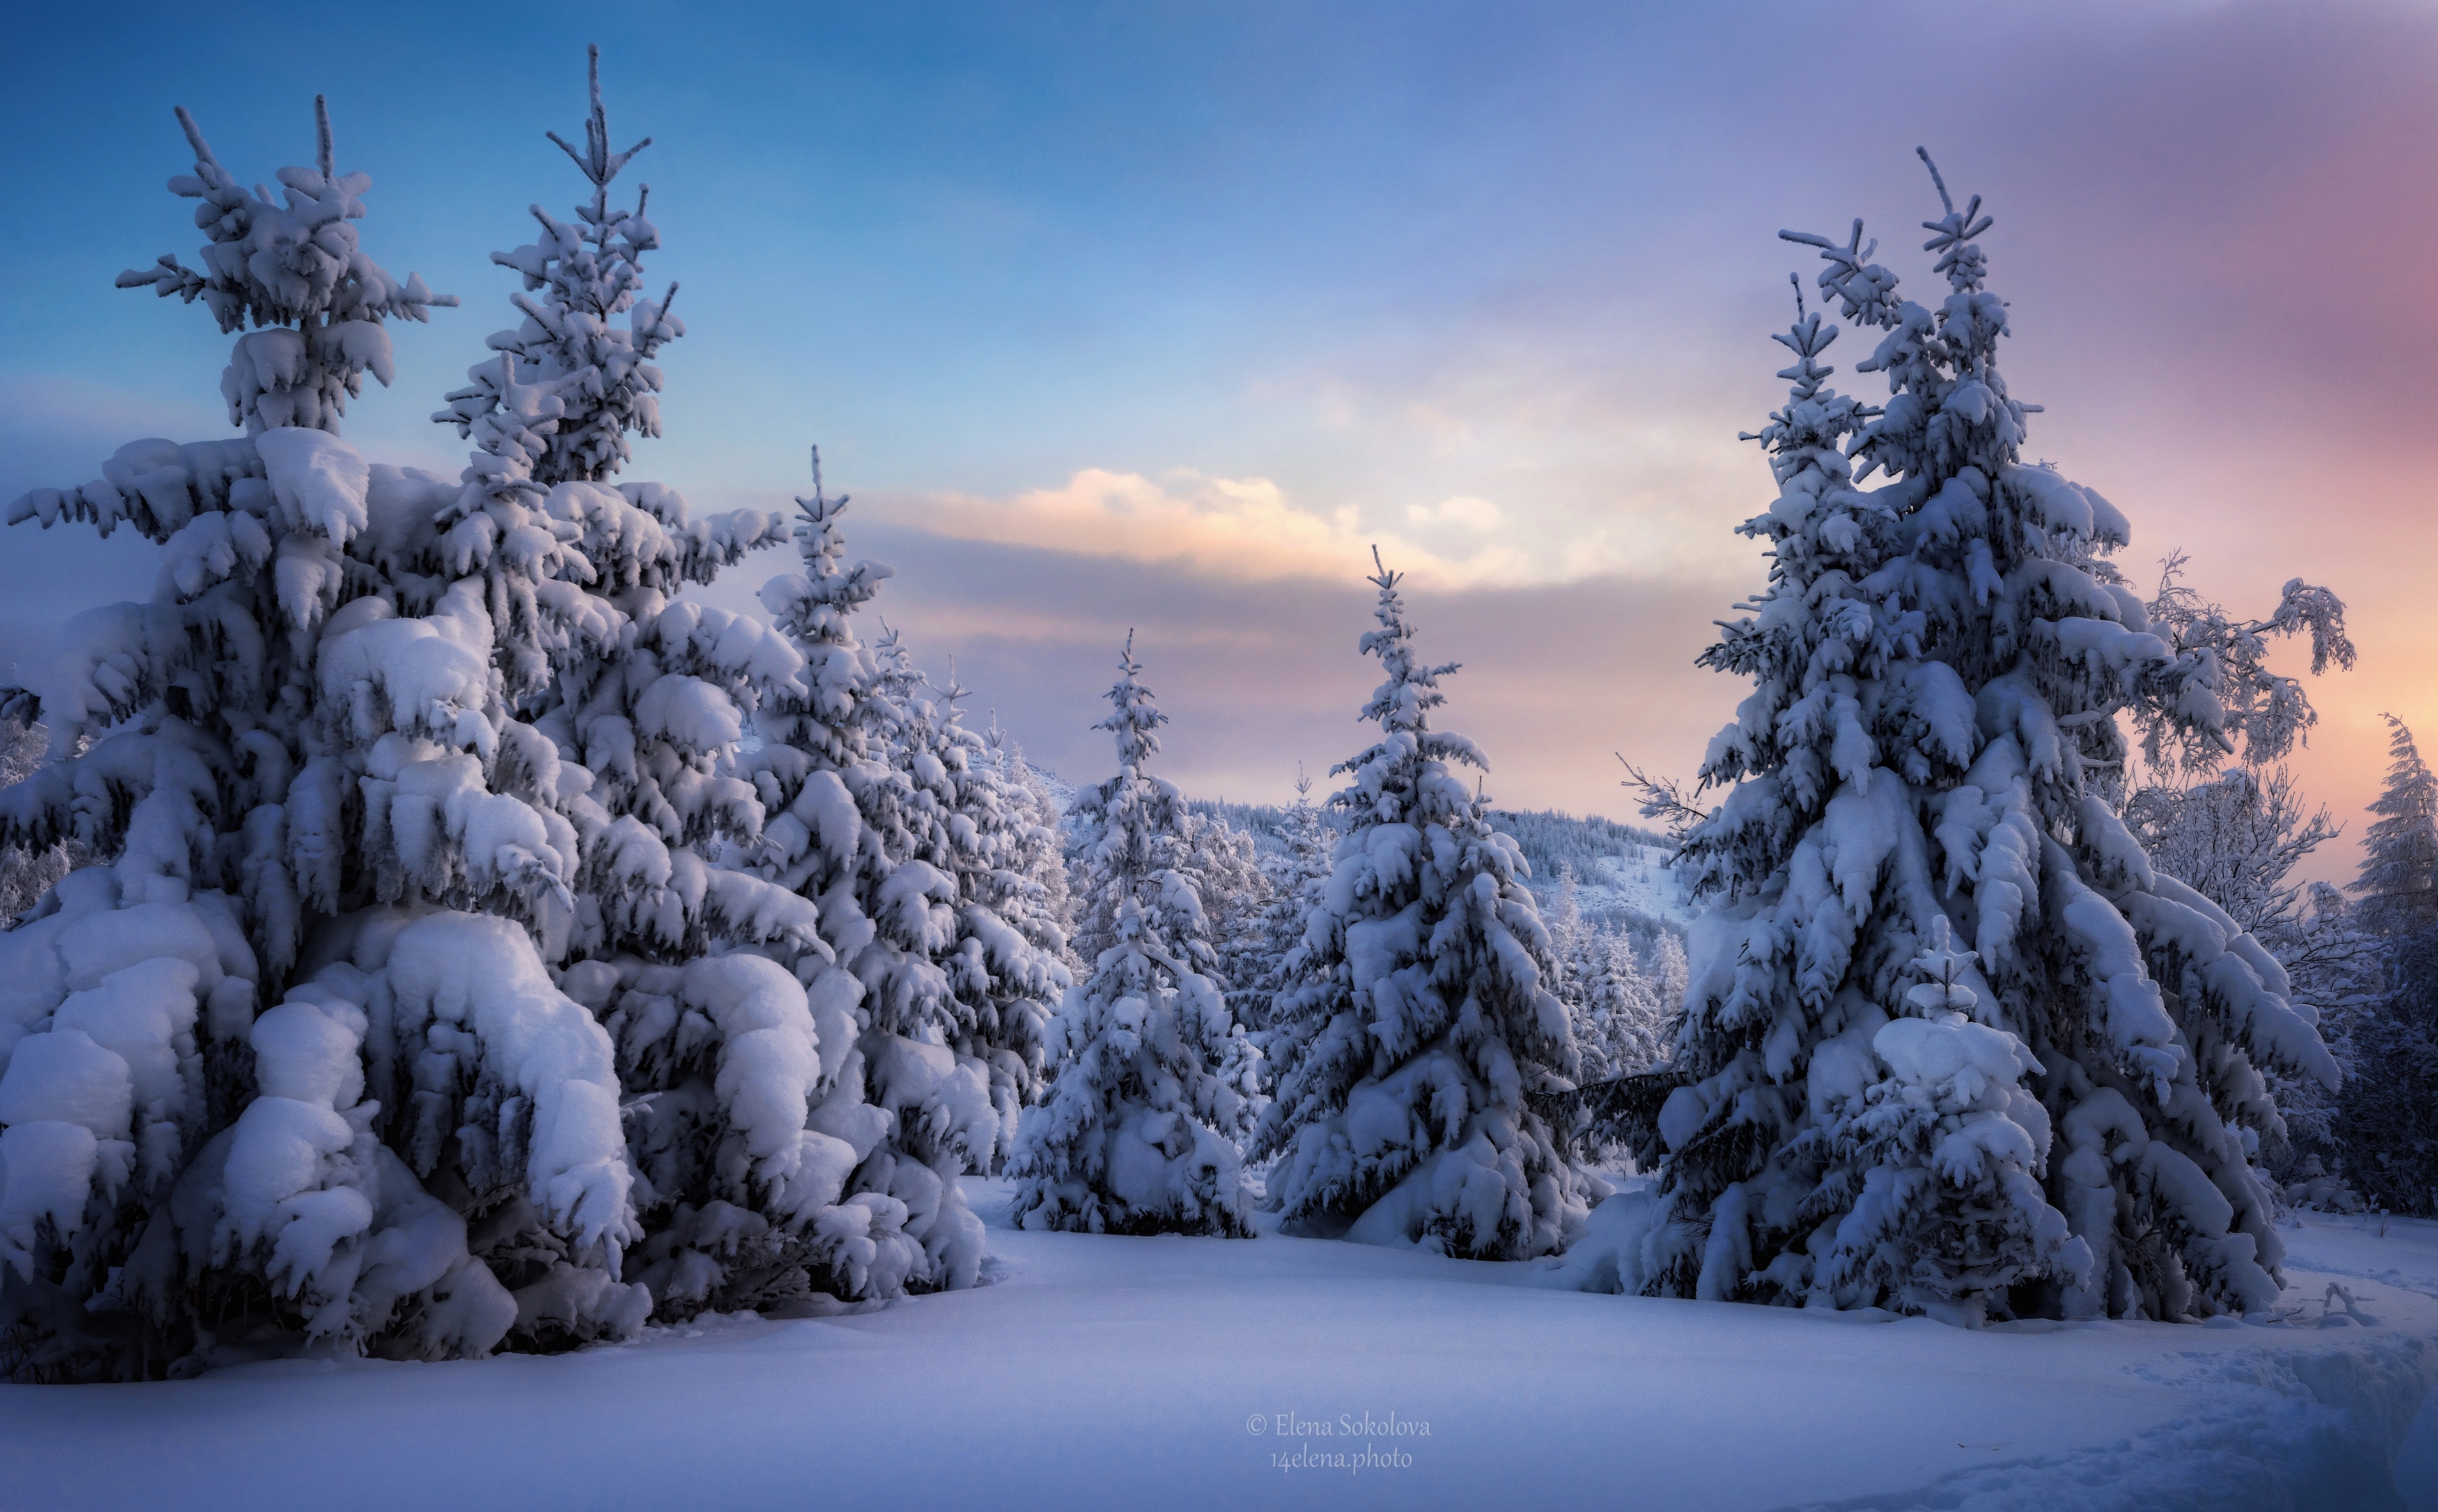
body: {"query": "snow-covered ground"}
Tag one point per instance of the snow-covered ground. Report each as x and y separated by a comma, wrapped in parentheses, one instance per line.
(1206, 1373)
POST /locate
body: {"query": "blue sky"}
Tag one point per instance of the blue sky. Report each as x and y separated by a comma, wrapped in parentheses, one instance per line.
(1158, 315)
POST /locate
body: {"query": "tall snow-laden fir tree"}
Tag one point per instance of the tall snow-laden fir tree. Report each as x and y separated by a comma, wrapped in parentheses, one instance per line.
(889, 814)
(1418, 1014)
(846, 828)
(291, 1069)
(2398, 883)
(743, 1199)
(1566, 928)
(961, 821)
(1235, 894)
(1039, 904)
(1155, 1082)
(1296, 873)
(1929, 746)
(1618, 1028)
(2387, 1120)
(1669, 975)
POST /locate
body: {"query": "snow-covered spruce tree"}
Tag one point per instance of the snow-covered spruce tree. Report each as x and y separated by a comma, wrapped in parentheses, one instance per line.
(1669, 975)
(1039, 904)
(1418, 1012)
(2386, 1120)
(2397, 886)
(1155, 1082)
(818, 779)
(1929, 743)
(1235, 893)
(959, 818)
(330, 761)
(1951, 1209)
(1618, 1028)
(1296, 873)
(938, 1000)
(744, 1199)
(1012, 872)
(1567, 938)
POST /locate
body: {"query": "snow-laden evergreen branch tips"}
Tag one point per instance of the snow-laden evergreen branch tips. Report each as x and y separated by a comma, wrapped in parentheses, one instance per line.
(567, 350)
(1929, 748)
(1156, 1081)
(292, 1068)
(1418, 1013)
(2236, 837)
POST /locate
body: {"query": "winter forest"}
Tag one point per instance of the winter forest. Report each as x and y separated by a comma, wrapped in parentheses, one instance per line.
(458, 962)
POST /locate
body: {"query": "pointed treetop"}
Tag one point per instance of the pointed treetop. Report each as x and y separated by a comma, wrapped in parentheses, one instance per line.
(599, 163)
(1805, 426)
(817, 541)
(821, 506)
(1963, 263)
(1133, 717)
(951, 691)
(2400, 869)
(1402, 702)
(814, 607)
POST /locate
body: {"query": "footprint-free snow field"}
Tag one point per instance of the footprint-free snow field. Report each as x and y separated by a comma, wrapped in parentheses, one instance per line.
(1197, 1372)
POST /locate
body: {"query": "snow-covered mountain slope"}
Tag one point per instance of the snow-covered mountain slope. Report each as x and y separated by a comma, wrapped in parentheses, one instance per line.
(1635, 880)
(1191, 1373)
(1062, 791)
(1619, 870)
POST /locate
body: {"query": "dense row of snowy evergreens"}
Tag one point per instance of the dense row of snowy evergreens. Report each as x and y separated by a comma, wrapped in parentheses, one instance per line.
(475, 943)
